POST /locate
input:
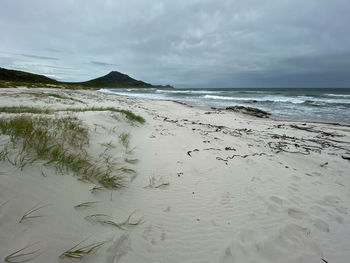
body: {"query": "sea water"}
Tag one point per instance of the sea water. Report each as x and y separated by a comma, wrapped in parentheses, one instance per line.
(316, 104)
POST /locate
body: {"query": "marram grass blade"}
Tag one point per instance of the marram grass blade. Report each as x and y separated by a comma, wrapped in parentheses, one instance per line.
(96, 189)
(22, 255)
(30, 212)
(85, 204)
(79, 253)
(100, 218)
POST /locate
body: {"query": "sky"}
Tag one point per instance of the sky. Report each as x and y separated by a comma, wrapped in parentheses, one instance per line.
(185, 43)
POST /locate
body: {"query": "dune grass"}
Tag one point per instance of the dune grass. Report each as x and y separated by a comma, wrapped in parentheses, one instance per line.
(24, 109)
(156, 183)
(102, 219)
(95, 189)
(23, 255)
(77, 252)
(124, 138)
(131, 161)
(4, 203)
(85, 205)
(30, 213)
(53, 95)
(128, 114)
(61, 142)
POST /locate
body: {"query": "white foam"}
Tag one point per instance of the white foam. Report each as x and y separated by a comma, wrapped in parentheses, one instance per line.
(188, 91)
(338, 95)
(266, 98)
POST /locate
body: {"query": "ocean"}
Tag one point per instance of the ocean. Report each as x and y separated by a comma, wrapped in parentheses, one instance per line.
(313, 104)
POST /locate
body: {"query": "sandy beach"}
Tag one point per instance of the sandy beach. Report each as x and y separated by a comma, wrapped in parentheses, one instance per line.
(206, 185)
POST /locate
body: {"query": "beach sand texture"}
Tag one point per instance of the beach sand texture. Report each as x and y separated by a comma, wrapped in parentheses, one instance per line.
(210, 186)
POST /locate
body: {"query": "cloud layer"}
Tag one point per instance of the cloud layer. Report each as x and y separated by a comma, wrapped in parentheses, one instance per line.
(189, 43)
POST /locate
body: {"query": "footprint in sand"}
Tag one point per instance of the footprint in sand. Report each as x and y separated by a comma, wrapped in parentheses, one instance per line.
(277, 200)
(321, 225)
(294, 187)
(296, 213)
(119, 247)
(332, 200)
(291, 243)
(167, 209)
(331, 215)
(227, 256)
(154, 234)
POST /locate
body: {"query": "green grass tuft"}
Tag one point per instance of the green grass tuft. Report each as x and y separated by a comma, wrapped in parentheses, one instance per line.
(60, 142)
(24, 109)
(54, 95)
(128, 114)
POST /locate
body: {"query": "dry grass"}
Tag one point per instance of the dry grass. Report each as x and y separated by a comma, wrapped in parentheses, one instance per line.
(23, 255)
(103, 219)
(30, 213)
(95, 189)
(131, 161)
(156, 183)
(77, 252)
(85, 205)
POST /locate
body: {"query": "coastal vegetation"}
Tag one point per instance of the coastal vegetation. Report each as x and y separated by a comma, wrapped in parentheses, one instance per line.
(77, 252)
(24, 254)
(128, 114)
(35, 110)
(25, 109)
(60, 141)
(104, 220)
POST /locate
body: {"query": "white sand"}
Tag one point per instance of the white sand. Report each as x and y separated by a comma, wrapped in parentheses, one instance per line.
(263, 207)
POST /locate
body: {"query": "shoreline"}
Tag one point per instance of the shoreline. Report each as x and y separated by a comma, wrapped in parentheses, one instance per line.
(289, 105)
(227, 186)
(207, 108)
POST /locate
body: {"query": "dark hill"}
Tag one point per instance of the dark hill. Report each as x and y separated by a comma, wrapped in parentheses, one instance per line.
(113, 79)
(21, 76)
(116, 79)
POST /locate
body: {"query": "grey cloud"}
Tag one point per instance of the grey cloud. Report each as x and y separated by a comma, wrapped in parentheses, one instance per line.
(188, 43)
(98, 63)
(39, 57)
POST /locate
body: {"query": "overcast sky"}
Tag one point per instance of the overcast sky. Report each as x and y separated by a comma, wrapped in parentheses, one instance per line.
(186, 43)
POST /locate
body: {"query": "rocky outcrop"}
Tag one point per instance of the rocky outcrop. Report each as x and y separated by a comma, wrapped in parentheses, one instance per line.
(250, 111)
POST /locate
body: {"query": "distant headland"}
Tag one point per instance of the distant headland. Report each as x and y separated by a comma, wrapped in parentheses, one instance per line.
(114, 79)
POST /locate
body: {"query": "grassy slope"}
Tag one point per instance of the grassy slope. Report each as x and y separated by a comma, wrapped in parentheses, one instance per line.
(21, 76)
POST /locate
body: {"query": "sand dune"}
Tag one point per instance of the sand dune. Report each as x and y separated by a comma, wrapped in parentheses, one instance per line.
(210, 186)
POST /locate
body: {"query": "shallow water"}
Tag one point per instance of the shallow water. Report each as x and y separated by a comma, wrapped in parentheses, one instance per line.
(331, 105)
